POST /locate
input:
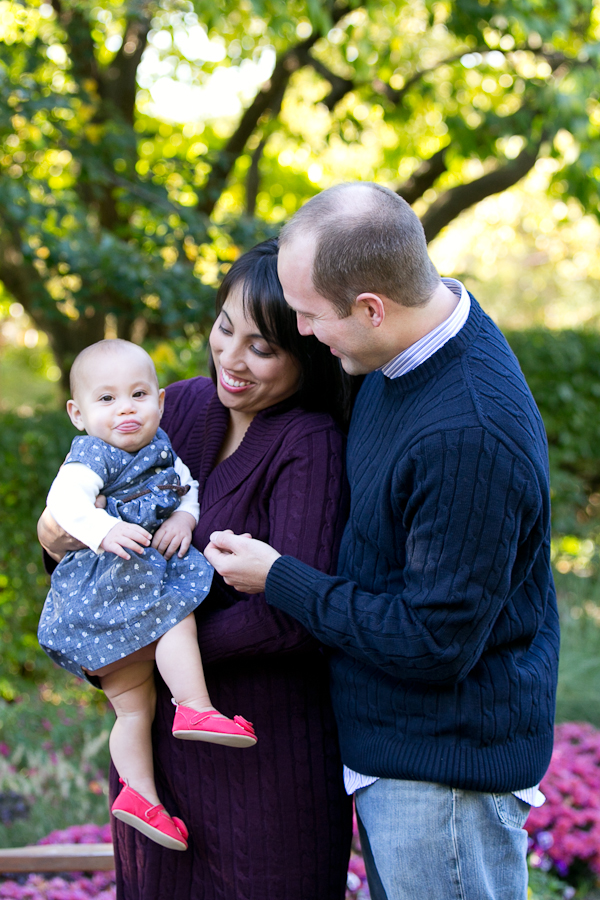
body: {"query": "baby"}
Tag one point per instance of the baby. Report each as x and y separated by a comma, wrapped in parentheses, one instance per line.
(140, 580)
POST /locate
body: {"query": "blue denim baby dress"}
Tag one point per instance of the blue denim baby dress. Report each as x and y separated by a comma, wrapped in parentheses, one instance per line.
(102, 608)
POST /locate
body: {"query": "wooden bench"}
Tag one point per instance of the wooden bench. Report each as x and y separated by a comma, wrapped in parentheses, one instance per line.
(58, 858)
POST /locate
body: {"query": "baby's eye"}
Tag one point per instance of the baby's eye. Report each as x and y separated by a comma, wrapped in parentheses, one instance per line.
(106, 398)
(139, 394)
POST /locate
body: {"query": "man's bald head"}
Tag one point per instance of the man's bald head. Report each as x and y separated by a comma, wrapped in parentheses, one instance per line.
(116, 347)
(366, 239)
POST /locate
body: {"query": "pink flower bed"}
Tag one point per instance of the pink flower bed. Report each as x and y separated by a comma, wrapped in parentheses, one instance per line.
(79, 834)
(100, 886)
(563, 832)
(566, 829)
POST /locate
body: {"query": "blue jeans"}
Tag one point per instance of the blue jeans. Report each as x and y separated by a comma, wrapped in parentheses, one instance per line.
(424, 841)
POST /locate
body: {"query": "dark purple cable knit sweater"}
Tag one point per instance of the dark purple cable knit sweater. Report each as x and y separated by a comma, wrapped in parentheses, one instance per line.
(271, 822)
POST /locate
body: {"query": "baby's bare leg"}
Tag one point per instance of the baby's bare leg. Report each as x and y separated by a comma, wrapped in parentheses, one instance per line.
(179, 662)
(133, 695)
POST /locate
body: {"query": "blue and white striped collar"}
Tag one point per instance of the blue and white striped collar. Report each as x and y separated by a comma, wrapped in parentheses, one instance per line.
(426, 346)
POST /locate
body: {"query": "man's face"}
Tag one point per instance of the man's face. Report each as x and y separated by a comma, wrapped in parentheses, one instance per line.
(347, 338)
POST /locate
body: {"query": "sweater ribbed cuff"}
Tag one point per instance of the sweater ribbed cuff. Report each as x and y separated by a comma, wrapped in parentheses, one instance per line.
(289, 585)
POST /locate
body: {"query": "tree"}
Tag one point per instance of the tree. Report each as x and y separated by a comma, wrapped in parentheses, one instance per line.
(110, 216)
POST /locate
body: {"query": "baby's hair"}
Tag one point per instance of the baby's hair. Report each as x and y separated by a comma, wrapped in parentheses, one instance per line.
(113, 345)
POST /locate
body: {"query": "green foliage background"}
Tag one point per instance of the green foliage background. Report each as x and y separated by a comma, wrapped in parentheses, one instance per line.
(32, 450)
(563, 371)
(119, 213)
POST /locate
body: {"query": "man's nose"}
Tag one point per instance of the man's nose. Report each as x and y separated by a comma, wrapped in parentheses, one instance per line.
(303, 325)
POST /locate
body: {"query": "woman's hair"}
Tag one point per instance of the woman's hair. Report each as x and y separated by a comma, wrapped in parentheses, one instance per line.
(324, 386)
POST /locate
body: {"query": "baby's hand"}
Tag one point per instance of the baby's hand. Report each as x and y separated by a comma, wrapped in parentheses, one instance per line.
(174, 534)
(125, 534)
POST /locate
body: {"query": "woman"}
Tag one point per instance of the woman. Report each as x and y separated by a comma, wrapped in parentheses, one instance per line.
(271, 822)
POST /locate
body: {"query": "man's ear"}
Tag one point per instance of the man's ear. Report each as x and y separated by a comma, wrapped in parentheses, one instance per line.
(75, 415)
(161, 401)
(373, 306)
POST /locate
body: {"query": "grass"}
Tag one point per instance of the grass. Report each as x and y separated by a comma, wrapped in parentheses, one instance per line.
(53, 753)
(578, 697)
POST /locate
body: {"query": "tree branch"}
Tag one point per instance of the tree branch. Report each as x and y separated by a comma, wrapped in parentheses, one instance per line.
(81, 45)
(397, 96)
(461, 197)
(253, 179)
(118, 82)
(423, 178)
(117, 91)
(253, 176)
(339, 86)
(271, 93)
(270, 96)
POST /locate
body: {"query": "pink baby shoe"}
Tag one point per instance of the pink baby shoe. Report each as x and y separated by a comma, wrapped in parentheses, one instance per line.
(153, 821)
(211, 726)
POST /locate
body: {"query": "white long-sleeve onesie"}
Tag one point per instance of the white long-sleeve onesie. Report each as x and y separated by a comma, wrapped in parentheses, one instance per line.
(73, 494)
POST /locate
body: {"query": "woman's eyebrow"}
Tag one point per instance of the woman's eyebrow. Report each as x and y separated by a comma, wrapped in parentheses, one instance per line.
(256, 335)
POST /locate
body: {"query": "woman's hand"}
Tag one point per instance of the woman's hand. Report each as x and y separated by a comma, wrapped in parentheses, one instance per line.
(174, 534)
(55, 541)
(242, 561)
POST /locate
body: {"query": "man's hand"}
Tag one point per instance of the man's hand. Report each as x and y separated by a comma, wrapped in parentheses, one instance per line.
(243, 562)
(126, 534)
(55, 541)
(174, 534)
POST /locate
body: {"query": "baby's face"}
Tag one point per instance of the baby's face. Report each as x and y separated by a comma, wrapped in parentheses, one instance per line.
(118, 400)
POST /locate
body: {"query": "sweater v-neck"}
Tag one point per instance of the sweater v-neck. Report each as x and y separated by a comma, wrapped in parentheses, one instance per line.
(262, 432)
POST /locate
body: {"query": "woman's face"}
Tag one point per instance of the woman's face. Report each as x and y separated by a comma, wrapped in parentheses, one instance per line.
(251, 374)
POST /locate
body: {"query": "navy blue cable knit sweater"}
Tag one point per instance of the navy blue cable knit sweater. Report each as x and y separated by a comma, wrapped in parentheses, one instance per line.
(443, 618)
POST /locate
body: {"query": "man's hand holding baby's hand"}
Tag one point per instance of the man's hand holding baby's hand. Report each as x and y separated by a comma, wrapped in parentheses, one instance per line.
(242, 561)
(126, 535)
(175, 534)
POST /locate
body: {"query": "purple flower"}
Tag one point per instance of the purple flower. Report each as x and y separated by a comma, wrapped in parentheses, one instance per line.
(79, 834)
(544, 840)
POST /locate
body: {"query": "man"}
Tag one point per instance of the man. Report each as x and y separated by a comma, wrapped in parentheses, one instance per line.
(442, 620)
